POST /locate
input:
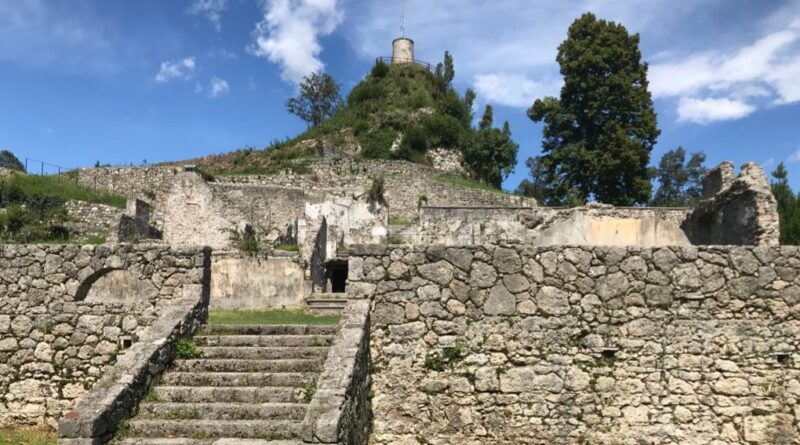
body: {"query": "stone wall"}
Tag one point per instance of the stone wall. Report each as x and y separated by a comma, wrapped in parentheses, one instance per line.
(405, 184)
(150, 184)
(59, 333)
(241, 282)
(339, 413)
(738, 211)
(589, 225)
(552, 345)
(91, 220)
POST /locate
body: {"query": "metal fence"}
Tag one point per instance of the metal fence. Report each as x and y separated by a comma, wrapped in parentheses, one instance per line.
(391, 61)
(37, 167)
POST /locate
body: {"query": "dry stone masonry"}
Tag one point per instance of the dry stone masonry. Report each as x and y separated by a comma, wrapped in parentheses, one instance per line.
(556, 345)
(57, 336)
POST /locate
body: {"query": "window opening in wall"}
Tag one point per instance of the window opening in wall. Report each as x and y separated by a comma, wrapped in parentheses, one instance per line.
(336, 277)
(783, 358)
(125, 342)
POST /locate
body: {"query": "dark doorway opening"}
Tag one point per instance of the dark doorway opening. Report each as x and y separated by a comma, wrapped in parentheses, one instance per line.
(336, 276)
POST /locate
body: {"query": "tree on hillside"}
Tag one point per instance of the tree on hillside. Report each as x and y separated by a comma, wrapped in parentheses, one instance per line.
(788, 206)
(491, 153)
(680, 181)
(9, 161)
(318, 99)
(599, 134)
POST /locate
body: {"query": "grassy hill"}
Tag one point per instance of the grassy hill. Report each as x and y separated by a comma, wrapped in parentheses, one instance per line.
(393, 103)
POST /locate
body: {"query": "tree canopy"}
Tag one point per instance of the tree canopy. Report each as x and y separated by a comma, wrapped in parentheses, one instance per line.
(680, 181)
(491, 153)
(788, 206)
(9, 161)
(318, 99)
(599, 133)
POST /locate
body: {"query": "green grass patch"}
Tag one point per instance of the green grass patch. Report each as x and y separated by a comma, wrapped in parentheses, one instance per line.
(467, 183)
(27, 437)
(399, 222)
(64, 188)
(270, 317)
(288, 247)
(96, 240)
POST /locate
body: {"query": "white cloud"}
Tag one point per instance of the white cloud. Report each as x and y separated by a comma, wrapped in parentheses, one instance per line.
(210, 9)
(503, 48)
(767, 69)
(218, 87)
(513, 90)
(290, 31)
(704, 111)
(176, 70)
(794, 157)
(768, 163)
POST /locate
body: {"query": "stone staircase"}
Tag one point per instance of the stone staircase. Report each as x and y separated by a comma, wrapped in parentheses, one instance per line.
(250, 384)
(326, 304)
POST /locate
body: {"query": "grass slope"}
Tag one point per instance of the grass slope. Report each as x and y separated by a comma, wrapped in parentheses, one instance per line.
(62, 187)
(390, 101)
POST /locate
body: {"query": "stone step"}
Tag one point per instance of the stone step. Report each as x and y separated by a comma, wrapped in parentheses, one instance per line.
(264, 340)
(228, 394)
(327, 297)
(231, 329)
(209, 429)
(263, 353)
(222, 411)
(295, 379)
(312, 303)
(239, 365)
(187, 441)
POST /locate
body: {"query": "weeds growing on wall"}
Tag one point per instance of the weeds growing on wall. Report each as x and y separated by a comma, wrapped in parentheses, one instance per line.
(186, 350)
(248, 240)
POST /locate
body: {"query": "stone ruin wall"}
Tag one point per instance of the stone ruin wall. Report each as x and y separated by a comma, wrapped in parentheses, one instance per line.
(480, 225)
(690, 345)
(91, 220)
(187, 209)
(60, 330)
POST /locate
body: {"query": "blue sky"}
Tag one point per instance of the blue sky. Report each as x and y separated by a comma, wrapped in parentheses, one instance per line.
(121, 82)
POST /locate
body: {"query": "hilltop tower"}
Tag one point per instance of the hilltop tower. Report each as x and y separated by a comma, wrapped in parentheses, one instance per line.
(402, 50)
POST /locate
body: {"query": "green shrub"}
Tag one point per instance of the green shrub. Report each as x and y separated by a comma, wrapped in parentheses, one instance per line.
(414, 144)
(186, 350)
(443, 131)
(377, 144)
(247, 241)
(367, 91)
(380, 70)
(377, 190)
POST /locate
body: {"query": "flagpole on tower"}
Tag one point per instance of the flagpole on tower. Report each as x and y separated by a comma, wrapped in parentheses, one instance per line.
(403, 15)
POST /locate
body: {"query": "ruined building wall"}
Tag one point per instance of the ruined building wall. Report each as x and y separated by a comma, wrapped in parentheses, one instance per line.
(65, 311)
(736, 210)
(551, 345)
(545, 226)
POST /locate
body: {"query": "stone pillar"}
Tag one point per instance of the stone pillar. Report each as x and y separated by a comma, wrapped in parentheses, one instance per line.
(402, 51)
(718, 179)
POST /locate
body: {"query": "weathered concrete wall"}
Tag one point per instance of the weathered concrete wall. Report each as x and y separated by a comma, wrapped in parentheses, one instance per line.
(740, 211)
(59, 334)
(242, 282)
(192, 216)
(552, 345)
(590, 225)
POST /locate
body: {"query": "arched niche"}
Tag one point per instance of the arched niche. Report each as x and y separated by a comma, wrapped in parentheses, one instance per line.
(116, 286)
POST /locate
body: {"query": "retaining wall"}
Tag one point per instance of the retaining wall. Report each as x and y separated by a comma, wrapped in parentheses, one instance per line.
(545, 345)
(67, 311)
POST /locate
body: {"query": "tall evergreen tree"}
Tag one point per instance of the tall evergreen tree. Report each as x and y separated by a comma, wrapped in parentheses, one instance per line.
(680, 182)
(599, 134)
(491, 153)
(788, 206)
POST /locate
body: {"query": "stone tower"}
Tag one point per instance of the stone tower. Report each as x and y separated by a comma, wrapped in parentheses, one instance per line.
(402, 50)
